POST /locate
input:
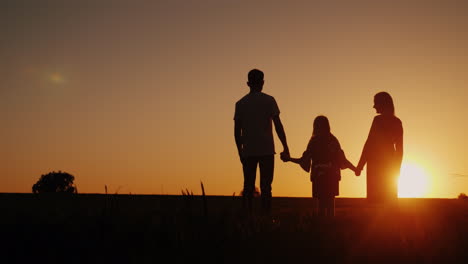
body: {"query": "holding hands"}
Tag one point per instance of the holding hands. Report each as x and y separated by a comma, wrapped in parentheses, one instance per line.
(350, 166)
(357, 171)
(285, 156)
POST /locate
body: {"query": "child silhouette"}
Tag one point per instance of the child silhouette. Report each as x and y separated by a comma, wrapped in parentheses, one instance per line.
(324, 158)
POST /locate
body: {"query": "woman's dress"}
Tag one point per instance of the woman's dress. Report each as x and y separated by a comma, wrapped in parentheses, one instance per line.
(383, 153)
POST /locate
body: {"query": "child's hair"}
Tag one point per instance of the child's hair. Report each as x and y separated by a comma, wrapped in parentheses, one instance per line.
(321, 126)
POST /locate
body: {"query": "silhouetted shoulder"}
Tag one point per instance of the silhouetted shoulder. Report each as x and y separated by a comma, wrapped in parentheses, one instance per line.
(256, 104)
(267, 96)
(386, 127)
(259, 96)
(334, 139)
(387, 119)
(397, 120)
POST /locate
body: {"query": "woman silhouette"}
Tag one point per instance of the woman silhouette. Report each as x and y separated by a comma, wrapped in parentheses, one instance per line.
(383, 151)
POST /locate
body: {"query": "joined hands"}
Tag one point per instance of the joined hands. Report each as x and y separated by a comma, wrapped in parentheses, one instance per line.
(357, 171)
(285, 156)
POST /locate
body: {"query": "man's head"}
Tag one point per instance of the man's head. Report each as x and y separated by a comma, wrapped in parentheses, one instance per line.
(255, 80)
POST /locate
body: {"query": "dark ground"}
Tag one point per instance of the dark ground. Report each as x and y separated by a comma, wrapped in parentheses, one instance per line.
(92, 228)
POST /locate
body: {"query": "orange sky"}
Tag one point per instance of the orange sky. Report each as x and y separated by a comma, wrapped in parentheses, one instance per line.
(139, 96)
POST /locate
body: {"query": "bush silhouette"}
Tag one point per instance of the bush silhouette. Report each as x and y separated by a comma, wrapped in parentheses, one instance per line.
(55, 182)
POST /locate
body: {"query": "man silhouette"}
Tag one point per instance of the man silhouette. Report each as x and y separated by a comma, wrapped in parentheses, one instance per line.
(253, 118)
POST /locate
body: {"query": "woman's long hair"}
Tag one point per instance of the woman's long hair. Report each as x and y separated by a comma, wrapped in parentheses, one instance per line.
(385, 100)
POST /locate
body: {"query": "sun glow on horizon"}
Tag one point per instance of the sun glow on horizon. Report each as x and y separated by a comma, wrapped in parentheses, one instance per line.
(413, 181)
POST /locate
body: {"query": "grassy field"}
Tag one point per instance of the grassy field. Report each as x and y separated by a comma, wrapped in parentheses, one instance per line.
(92, 228)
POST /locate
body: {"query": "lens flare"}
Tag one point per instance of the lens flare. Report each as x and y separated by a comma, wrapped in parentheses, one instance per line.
(56, 78)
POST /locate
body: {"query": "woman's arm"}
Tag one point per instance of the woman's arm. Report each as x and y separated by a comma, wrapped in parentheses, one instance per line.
(365, 149)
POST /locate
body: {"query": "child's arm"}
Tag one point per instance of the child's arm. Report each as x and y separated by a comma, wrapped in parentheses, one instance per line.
(304, 162)
(295, 160)
(285, 157)
(346, 164)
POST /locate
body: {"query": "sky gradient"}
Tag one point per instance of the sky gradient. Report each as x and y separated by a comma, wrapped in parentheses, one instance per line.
(139, 95)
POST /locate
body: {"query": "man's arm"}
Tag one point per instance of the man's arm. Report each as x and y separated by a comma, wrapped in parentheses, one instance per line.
(280, 132)
(238, 136)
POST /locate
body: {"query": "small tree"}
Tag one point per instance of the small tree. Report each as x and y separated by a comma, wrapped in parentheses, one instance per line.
(54, 182)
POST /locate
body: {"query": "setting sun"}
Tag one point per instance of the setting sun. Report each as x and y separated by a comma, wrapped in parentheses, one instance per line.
(413, 181)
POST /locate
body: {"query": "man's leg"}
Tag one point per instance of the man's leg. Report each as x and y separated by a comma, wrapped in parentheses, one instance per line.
(267, 165)
(249, 167)
(331, 206)
(322, 207)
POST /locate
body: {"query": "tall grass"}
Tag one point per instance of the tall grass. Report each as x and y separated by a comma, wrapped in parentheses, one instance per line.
(145, 229)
